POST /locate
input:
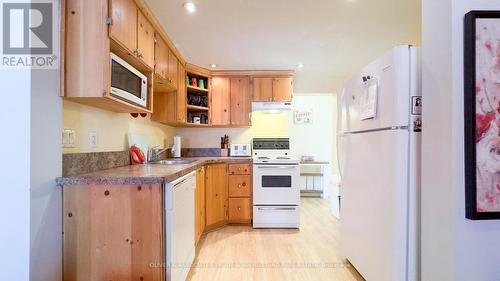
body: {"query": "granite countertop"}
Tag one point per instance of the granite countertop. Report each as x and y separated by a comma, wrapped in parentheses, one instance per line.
(144, 174)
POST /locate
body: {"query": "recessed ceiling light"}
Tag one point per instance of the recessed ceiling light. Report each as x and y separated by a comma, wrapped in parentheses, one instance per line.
(190, 7)
(300, 65)
(213, 65)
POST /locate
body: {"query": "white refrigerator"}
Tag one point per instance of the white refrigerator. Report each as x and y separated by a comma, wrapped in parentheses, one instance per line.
(379, 155)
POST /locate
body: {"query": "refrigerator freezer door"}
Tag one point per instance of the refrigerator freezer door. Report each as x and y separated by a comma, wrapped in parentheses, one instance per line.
(391, 74)
(374, 214)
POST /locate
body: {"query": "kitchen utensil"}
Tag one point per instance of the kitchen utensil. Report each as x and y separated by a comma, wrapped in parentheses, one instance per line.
(201, 83)
(194, 82)
(197, 120)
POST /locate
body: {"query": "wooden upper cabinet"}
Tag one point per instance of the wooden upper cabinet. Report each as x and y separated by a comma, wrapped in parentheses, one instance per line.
(240, 101)
(220, 101)
(181, 94)
(124, 23)
(216, 194)
(145, 40)
(161, 58)
(86, 54)
(262, 89)
(283, 89)
(172, 68)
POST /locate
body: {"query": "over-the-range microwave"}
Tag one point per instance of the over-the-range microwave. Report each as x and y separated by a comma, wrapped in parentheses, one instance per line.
(127, 83)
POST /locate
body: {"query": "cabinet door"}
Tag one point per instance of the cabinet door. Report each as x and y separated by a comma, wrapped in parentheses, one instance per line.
(216, 194)
(199, 204)
(283, 89)
(240, 186)
(220, 101)
(145, 40)
(240, 210)
(124, 26)
(262, 89)
(172, 68)
(181, 94)
(87, 49)
(161, 58)
(240, 101)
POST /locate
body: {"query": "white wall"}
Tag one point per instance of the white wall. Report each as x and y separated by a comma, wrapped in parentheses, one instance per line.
(46, 166)
(453, 248)
(15, 173)
(315, 139)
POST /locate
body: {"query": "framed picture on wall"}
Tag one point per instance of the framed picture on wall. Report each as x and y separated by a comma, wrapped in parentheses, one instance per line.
(482, 114)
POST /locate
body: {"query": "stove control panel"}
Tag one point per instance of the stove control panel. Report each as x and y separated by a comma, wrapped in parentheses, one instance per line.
(271, 144)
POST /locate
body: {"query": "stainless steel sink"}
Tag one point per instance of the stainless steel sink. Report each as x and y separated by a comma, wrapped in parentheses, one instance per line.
(174, 161)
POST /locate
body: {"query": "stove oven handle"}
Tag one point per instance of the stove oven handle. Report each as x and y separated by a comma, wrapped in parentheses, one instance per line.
(277, 167)
(277, 208)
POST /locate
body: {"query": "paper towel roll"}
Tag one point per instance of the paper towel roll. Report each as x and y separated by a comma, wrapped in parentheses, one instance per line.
(177, 146)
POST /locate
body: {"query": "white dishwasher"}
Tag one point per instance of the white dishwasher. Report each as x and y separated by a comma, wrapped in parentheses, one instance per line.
(179, 232)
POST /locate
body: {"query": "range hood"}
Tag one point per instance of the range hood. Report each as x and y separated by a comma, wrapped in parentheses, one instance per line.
(271, 106)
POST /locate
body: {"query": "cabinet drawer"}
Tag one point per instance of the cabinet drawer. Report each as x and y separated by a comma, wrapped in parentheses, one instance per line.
(240, 186)
(240, 209)
(240, 169)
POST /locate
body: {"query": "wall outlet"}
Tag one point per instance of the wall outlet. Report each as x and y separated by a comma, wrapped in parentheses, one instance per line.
(93, 139)
(68, 138)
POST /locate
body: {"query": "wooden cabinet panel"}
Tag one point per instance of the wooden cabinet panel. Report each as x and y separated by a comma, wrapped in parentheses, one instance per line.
(240, 101)
(240, 169)
(145, 40)
(181, 94)
(87, 49)
(240, 209)
(161, 58)
(283, 89)
(124, 23)
(220, 101)
(240, 185)
(262, 89)
(112, 232)
(199, 204)
(172, 68)
(216, 194)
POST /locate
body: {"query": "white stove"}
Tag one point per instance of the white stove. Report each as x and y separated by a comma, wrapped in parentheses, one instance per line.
(276, 191)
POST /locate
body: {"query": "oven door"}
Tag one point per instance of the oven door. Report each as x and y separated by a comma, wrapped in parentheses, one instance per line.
(276, 184)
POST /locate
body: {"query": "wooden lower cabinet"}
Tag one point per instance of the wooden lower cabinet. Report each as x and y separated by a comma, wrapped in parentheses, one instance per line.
(216, 195)
(240, 192)
(240, 185)
(199, 204)
(240, 210)
(112, 233)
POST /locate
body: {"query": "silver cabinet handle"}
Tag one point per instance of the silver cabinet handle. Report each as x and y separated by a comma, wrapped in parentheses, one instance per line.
(277, 208)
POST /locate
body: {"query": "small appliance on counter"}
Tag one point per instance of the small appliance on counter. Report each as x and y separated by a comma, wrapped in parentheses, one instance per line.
(177, 147)
(240, 150)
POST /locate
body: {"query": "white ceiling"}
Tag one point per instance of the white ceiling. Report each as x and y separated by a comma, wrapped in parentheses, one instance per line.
(332, 38)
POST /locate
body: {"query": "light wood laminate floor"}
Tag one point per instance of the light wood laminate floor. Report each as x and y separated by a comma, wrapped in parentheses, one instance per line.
(241, 253)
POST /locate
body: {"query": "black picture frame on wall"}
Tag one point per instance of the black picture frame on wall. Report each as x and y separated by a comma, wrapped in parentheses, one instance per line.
(470, 124)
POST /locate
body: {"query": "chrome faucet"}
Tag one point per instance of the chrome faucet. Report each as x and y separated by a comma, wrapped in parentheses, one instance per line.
(155, 152)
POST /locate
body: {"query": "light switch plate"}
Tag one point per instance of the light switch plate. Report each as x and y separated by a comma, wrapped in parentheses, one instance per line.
(68, 138)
